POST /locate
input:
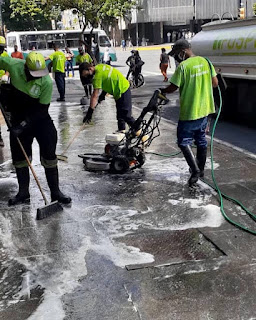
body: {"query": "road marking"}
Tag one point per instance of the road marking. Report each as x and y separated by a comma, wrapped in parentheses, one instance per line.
(151, 73)
(64, 102)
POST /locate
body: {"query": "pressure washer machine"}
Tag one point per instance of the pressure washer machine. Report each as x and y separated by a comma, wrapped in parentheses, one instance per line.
(126, 151)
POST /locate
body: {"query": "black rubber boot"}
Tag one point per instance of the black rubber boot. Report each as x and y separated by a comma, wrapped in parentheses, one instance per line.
(23, 180)
(191, 161)
(201, 159)
(52, 177)
(1, 141)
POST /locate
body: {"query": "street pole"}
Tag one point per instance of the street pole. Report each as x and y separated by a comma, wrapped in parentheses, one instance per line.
(1, 17)
(137, 28)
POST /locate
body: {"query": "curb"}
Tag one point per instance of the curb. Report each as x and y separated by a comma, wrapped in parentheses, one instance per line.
(221, 142)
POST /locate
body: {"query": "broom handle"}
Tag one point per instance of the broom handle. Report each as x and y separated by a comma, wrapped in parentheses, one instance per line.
(32, 170)
(71, 141)
(25, 155)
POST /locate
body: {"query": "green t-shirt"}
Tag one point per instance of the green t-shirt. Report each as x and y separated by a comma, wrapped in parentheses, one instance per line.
(110, 80)
(83, 58)
(40, 88)
(194, 79)
(4, 54)
(58, 61)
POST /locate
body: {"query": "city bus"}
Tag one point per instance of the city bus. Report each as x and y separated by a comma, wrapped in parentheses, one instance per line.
(43, 41)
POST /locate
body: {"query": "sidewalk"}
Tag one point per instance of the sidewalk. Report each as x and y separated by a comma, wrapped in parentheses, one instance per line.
(134, 246)
(167, 46)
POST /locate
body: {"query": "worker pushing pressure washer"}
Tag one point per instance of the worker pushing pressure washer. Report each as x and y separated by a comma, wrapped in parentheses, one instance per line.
(194, 77)
(109, 80)
(27, 99)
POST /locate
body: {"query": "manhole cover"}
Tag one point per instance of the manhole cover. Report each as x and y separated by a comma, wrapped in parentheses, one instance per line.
(171, 247)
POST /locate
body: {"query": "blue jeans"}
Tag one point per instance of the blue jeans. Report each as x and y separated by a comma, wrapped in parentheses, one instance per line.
(69, 64)
(193, 130)
(60, 82)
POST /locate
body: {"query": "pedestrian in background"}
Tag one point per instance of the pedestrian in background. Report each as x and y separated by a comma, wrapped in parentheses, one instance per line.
(95, 50)
(58, 65)
(106, 57)
(123, 45)
(135, 64)
(17, 54)
(195, 78)
(164, 62)
(69, 61)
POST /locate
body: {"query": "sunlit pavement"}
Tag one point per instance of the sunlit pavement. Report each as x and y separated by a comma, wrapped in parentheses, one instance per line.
(134, 246)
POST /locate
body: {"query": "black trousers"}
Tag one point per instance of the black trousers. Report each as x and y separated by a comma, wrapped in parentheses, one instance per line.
(60, 83)
(124, 110)
(87, 84)
(136, 75)
(46, 135)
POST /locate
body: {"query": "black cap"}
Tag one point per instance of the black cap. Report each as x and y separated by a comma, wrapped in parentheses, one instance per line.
(178, 46)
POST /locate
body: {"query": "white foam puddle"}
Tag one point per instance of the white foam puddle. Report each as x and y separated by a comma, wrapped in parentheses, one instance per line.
(172, 169)
(121, 254)
(8, 181)
(60, 273)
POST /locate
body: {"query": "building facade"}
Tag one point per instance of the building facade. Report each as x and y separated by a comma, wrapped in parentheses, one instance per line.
(159, 21)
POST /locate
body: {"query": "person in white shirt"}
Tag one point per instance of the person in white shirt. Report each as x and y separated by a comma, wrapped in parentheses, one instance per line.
(106, 57)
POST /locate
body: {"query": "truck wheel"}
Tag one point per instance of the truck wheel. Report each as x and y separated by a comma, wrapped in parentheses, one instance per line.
(119, 164)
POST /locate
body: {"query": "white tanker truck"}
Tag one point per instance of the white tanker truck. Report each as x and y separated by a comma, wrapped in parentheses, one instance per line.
(231, 46)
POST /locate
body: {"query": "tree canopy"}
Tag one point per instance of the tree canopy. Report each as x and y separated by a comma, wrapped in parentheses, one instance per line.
(28, 15)
(37, 14)
(96, 11)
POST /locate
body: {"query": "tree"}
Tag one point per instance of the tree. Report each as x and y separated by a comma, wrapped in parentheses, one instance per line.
(28, 15)
(95, 11)
(254, 8)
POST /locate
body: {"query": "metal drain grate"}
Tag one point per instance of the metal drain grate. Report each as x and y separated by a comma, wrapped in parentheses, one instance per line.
(172, 247)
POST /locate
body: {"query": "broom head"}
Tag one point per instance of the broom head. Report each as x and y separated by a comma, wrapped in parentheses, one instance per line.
(48, 210)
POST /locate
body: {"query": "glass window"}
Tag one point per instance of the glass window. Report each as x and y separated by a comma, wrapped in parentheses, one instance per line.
(72, 40)
(104, 41)
(23, 42)
(36, 41)
(11, 41)
(57, 39)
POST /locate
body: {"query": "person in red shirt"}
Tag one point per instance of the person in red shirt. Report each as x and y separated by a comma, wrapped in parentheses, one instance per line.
(17, 54)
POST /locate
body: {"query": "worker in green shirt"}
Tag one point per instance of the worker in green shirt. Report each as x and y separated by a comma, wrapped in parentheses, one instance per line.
(109, 80)
(195, 78)
(58, 59)
(28, 99)
(3, 75)
(83, 56)
(86, 82)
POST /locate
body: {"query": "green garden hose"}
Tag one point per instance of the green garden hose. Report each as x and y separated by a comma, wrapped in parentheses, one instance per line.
(222, 195)
(215, 186)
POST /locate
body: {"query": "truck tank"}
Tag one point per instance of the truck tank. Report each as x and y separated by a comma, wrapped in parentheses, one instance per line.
(231, 47)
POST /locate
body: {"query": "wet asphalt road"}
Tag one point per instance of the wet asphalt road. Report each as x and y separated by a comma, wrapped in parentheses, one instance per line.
(136, 246)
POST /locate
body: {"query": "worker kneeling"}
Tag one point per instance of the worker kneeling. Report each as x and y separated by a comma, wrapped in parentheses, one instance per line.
(28, 100)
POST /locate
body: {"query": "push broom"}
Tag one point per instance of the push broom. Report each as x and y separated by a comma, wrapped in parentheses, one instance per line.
(49, 208)
(62, 156)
